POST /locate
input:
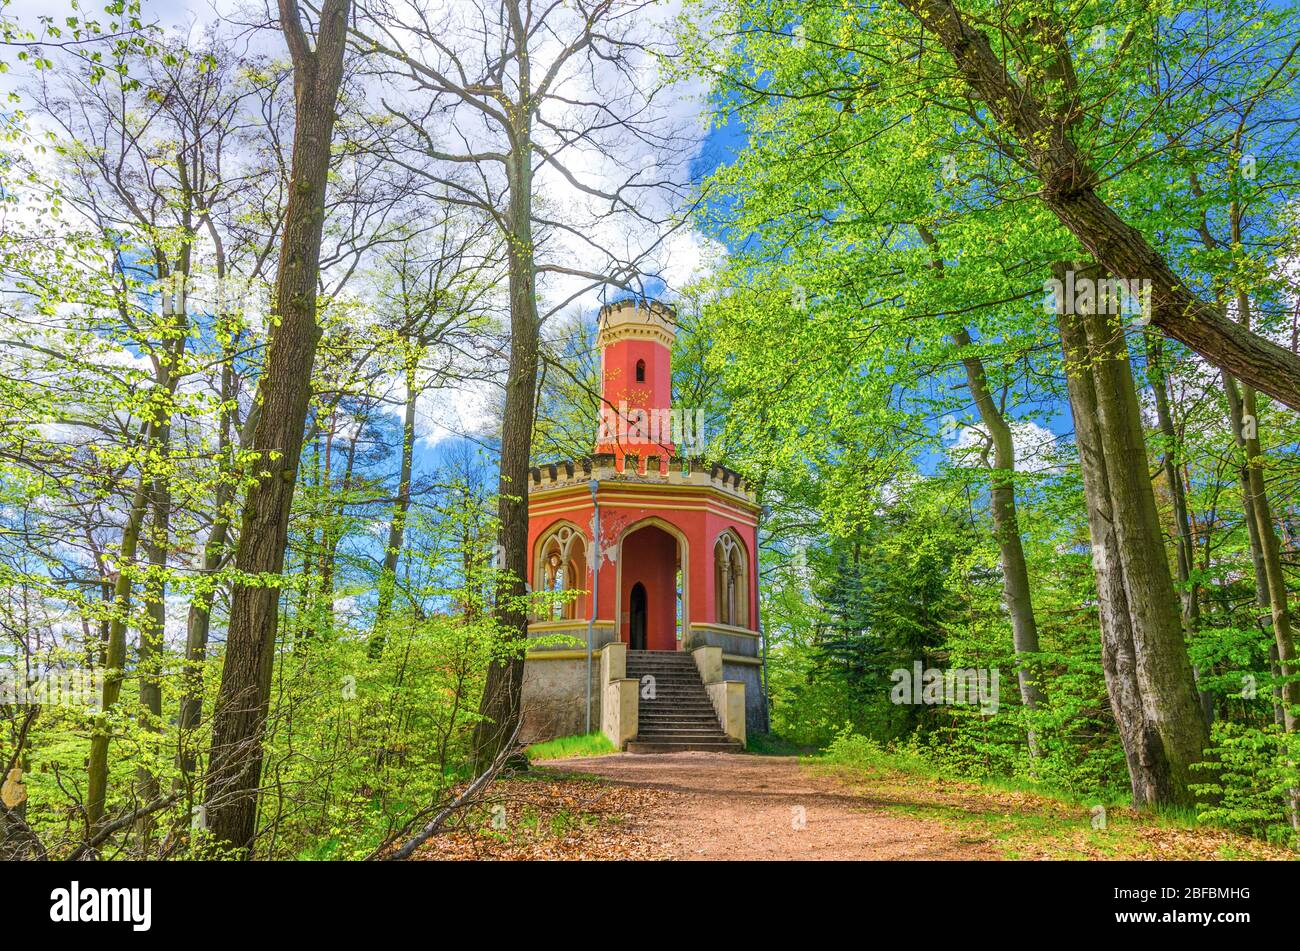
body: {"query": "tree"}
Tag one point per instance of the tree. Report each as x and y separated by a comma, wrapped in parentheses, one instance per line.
(283, 393)
(1069, 189)
(1156, 707)
(840, 168)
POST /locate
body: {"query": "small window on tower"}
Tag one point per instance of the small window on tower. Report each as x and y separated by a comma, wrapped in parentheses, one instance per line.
(640, 371)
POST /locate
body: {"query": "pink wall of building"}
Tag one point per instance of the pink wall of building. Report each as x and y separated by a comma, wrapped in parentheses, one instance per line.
(651, 558)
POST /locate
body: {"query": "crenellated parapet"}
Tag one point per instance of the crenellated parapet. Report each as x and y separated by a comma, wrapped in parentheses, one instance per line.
(631, 319)
(604, 468)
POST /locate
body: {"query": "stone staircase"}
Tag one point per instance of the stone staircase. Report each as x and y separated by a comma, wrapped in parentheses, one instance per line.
(681, 716)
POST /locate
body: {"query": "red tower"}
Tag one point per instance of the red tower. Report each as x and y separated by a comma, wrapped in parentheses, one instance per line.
(659, 556)
(636, 383)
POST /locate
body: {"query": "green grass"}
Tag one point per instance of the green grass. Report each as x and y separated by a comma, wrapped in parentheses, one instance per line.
(563, 747)
(1053, 823)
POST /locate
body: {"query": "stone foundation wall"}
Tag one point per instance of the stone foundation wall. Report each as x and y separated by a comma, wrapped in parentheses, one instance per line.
(751, 676)
(553, 697)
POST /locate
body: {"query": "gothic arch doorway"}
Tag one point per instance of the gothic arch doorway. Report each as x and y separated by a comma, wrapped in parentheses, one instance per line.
(654, 553)
(637, 618)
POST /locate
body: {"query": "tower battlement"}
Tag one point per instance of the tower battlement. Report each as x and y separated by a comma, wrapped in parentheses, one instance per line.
(645, 319)
(603, 468)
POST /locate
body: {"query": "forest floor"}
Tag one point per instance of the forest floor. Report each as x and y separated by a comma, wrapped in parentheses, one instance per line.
(729, 806)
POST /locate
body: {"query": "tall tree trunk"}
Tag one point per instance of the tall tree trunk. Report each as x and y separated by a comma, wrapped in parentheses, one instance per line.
(1172, 734)
(1236, 414)
(1247, 435)
(1142, 750)
(500, 705)
(1185, 548)
(150, 495)
(158, 542)
(238, 721)
(1006, 527)
(199, 623)
(114, 656)
(1006, 524)
(1282, 654)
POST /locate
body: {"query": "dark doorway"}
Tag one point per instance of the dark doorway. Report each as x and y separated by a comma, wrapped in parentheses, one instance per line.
(636, 636)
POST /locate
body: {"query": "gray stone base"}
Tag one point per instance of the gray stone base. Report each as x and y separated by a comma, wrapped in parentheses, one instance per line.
(553, 698)
(553, 695)
(751, 676)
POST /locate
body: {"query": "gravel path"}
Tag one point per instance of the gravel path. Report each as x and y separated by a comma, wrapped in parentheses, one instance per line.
(729, 806)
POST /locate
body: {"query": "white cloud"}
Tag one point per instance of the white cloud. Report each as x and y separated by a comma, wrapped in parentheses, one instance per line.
(1034, 445)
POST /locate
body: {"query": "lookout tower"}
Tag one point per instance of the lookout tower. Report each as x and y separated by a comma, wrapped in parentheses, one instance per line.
(658, 549)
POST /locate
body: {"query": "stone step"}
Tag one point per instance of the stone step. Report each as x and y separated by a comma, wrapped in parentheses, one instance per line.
(682, 733)
(691, 729)
(663, 703)
(681, 718)
(659, 665)
(653, 716)
(662, 746)
(675, 663)
(679, 703)
(667, 668)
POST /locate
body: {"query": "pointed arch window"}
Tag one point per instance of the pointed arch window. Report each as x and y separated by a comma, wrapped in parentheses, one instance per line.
(731, 580)
(562, 566)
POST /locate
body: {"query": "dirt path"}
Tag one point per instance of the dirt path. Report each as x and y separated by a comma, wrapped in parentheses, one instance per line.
(726, 806)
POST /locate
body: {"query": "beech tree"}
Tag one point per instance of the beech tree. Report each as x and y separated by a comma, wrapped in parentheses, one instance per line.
(235, 760)
(440, 296)
(1070, 189)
